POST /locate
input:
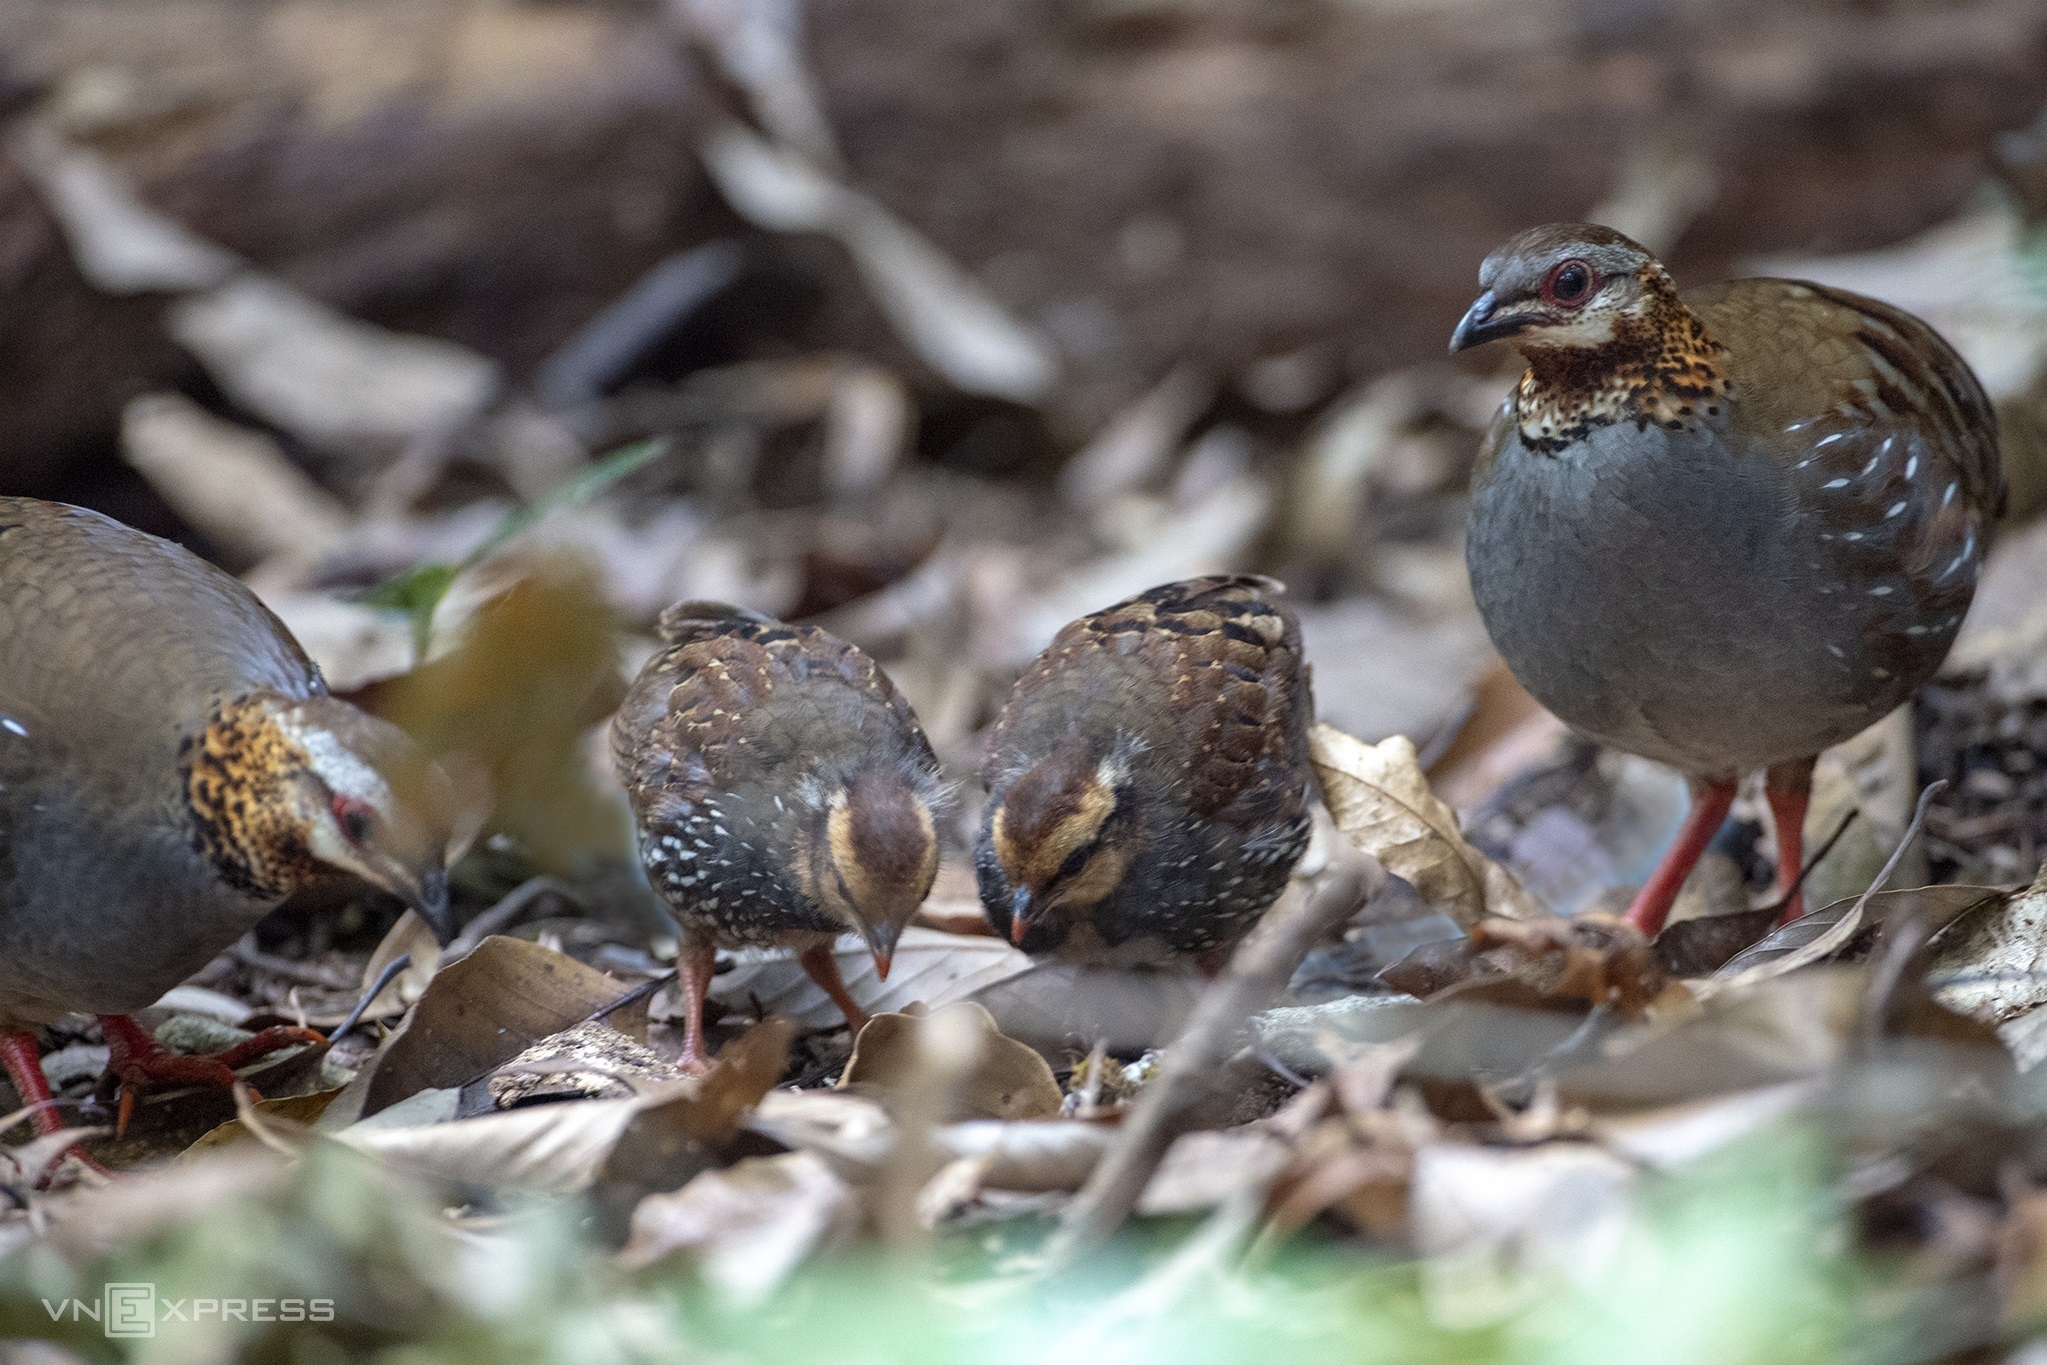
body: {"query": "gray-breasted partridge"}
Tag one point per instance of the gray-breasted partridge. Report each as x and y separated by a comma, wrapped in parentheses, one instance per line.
(1723, 530)
(171, 768)
(784, 793)
(1148, 778)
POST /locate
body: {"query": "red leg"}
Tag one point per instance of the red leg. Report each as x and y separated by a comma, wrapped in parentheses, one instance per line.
(1710, 802)
(694, 966)
(1789, 788)
(824, 970)
(24, 1063)
(139, 1062)
(18, 1053)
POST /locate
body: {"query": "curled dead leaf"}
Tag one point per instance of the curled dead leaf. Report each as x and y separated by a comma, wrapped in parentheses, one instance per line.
(1006, 1081)
(486, 1009)
(748, 1226)
(1381, 801)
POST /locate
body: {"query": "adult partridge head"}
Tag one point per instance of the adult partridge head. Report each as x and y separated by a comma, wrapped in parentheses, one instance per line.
(784, 790)
(1726, 528)
(171, 767)
(1147, 778)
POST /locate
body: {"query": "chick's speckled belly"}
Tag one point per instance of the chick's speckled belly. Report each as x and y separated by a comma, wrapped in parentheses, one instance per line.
(1662, 600)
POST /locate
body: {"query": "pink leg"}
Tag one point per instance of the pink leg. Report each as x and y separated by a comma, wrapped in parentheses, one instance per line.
(694, 967)
(1710, 803)
(140, 1063)
(824, 970)
(1789, 788)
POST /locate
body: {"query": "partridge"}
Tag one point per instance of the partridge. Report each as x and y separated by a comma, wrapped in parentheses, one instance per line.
(1723, 529)
(1148, 778)
(784, 793)
(171, 768)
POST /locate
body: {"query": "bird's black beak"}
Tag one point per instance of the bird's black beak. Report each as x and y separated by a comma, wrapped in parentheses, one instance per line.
(1479, 325)
(429, 900)
(1019, 914)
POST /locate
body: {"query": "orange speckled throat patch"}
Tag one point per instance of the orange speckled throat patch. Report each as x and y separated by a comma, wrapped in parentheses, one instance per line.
(1661, 368)
(236, 775)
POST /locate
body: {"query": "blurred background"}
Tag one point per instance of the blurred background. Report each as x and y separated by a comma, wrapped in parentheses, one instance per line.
(953, 321)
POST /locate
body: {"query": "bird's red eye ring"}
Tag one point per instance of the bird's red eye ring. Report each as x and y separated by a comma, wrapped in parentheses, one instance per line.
(356, 818)
(1569, 284)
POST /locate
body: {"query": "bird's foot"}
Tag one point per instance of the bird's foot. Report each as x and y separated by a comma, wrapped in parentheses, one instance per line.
(138, 1062)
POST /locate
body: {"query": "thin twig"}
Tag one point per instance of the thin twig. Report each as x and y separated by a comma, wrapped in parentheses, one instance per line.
(512, 907)
(639, 992)
(1257, 973)
(389, 974)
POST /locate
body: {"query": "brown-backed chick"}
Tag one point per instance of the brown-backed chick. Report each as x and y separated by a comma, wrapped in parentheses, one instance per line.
(1148, 778)
(784, 793)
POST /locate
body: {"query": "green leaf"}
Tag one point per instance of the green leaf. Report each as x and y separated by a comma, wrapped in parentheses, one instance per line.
(414, 594)
(570, 493)
(419, 590)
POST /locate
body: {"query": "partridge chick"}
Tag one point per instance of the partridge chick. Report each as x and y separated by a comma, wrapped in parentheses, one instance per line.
(1148, 778)
(1723, 530)
(171, 767)
(784, 793)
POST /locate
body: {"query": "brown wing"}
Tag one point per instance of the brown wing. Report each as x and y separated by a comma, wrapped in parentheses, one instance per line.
(715, 689)
(1890, 442)
(1218, 687)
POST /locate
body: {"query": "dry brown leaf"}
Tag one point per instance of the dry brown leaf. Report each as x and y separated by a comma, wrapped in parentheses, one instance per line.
(694, 1128)
(1378, 797)
(1499, 1228)
(536, 668)
(547, 1148)
(413, 938)
(1992, 964)
(930, 968)
(953, 323)
(1056, 1006)
(339, 384)
(486, 1009)
(1590, 959)
(748, 1226)
(1008, 1080)
(233, 483)
(1201, 1170)
(590, 1060)
(296, 1109)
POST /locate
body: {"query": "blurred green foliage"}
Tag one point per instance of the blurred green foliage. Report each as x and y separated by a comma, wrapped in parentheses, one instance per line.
(1744, 1260)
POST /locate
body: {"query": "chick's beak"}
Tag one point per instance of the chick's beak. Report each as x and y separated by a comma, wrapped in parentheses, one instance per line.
(1019, 914)
(1480, 324)
(881, 941)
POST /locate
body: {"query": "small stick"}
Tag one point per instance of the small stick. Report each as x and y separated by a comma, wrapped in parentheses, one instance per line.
(1257, 973)
(511, 908)
(390, 974)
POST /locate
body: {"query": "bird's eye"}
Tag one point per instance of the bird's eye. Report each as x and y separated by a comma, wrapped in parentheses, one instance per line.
(355, 818)
(1570, 284)
(1075, 861)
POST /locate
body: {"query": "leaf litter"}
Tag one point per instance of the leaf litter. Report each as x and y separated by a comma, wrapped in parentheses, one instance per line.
(1505, 1133)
